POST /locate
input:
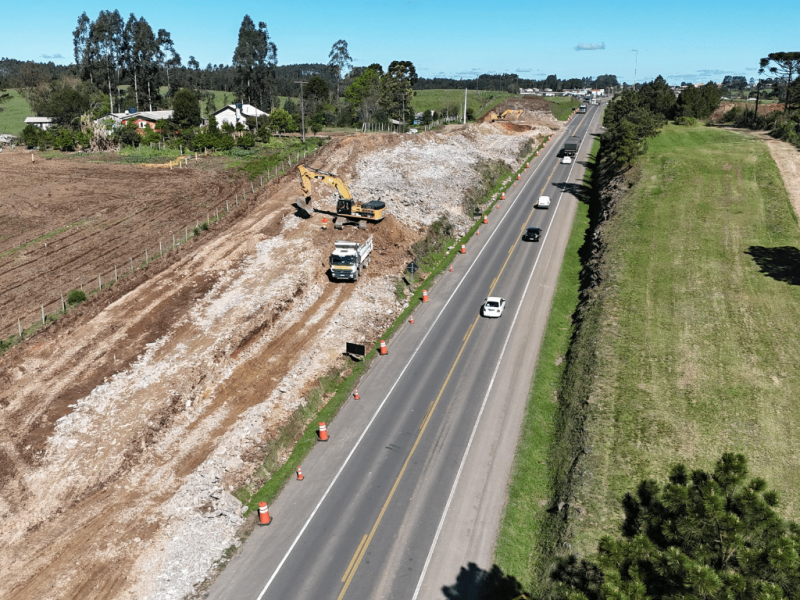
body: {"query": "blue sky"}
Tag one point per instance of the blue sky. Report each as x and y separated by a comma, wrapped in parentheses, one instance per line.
(693, 41)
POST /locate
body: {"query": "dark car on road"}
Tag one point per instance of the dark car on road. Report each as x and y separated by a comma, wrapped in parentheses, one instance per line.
(532, 234)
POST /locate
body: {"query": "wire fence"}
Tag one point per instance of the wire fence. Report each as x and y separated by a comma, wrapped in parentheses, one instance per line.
(393, 128)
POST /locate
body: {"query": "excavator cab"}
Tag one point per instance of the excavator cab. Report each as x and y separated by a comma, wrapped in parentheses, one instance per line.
(344, 206)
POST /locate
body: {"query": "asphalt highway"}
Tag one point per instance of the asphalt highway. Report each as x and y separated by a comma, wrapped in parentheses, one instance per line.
(405, 498)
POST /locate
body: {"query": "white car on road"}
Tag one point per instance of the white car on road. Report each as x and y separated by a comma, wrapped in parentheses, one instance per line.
(544, 202)
(567, 160)
(493, 307)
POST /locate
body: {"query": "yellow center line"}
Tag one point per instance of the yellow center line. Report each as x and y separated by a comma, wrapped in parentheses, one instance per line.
(353, 560)
(362, 548)
(360, 555)
(425, 418)
(469, 331)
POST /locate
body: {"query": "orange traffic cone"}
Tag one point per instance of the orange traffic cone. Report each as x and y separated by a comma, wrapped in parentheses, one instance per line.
(355, 394)
(424, 295)
(263, 514)
(503, 197)
(485, 220)
(299, 474)
(451, 268)
(411, 320)
(384, 350)
(527, 165)
(463, 248)
(477, 232)
(323, 432)
(518, 177)
(537, 153)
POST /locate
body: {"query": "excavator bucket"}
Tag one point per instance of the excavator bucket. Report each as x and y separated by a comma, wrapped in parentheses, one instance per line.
(303, 206)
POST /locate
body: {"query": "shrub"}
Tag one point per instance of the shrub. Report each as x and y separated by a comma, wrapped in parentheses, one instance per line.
(686, 121)
(62, 139)
(75, 297)
(32, 136)
(204, 226)
(246, 141)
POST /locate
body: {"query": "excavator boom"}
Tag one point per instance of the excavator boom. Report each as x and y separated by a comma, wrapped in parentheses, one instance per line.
(308, 173)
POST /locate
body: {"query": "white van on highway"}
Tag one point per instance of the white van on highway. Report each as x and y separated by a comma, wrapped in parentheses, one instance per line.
(544, 202)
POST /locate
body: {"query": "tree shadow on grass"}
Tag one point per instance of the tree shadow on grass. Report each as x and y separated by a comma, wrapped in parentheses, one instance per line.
(781, 263)
(474, 583)
(581, 191)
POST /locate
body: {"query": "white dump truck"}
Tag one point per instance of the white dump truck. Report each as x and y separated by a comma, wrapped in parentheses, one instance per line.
(349, 258)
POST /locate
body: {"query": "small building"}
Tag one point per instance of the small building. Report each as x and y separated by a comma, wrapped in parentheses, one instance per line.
(43, 123)
(147, 118)
(233, 114)
(142, 119)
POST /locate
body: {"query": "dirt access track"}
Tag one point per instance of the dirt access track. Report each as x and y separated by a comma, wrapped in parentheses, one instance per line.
(125, 425)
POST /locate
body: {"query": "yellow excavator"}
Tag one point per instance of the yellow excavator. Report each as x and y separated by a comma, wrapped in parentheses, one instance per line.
(348, 211)
(508, 115)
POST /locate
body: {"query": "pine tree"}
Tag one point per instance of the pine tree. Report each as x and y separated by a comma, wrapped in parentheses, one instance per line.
(703, 536)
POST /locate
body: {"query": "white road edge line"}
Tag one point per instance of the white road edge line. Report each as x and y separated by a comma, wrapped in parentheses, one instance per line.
(389, 393)
(483, 405)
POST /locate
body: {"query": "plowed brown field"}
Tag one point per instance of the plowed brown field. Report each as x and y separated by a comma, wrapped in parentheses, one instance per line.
(66, 222)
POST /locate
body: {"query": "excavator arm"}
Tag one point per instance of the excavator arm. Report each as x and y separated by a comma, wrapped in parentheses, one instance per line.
(309, 173)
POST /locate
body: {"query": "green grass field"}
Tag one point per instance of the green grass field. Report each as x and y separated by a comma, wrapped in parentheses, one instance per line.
(480, 102)
(697, 344)
(12, 117)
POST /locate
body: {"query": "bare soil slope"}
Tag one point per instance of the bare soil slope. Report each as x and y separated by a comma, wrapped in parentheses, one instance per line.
(125, 425)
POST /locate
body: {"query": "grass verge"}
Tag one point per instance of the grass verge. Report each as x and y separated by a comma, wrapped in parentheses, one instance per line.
(519, 543)
(563, 107)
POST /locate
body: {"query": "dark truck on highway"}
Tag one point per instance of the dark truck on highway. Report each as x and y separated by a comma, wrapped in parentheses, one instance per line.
(571, 146)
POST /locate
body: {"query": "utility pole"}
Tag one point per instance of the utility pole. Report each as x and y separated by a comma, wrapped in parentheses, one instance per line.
(302, 110)
(465, 106)
(635, 67)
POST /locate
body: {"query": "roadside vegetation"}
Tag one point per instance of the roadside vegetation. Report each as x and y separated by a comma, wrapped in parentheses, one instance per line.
(563, 107)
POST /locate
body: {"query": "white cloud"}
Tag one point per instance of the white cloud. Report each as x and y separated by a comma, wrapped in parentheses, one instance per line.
(601, 46)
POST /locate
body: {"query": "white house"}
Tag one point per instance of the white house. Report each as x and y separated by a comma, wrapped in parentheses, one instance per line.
(43, 123)
(237, 113)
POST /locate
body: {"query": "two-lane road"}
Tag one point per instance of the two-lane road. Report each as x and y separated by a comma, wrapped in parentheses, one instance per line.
(411, 485)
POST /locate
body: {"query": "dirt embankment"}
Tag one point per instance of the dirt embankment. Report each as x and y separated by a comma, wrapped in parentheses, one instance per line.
(125, 426)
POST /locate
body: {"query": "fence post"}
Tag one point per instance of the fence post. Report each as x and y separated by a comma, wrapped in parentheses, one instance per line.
(145, 256)
(115, 273)
(131, 264)
(227, 209)
(63, 307)
(99, 283)
(173, 239)
(19, 326)
(262, 181)
(216, 210)
(160, 251)
(186, 232)
(42, 314)
(252, 187)
(208, 216)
